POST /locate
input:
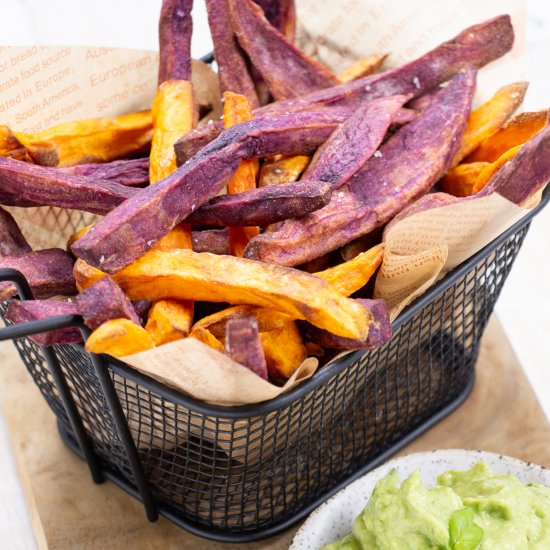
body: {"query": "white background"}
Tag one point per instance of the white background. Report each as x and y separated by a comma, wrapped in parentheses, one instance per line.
(525, 301)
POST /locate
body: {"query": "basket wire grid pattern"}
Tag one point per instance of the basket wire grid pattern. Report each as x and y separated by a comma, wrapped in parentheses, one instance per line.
(239, 474)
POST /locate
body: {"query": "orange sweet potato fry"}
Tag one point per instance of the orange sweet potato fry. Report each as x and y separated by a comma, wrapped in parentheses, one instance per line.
(461, 181)
(206, 337)
(362, 67)
(85, 275)
(487, 173)
(281, 340)
(169, 320)
(519, 130)
(86, 140)
(348, 277)
(282, 170)
(239, 238)
(345, 278)
(187, 275)
(179, 237)
(174, 115)
(267, 319)
(10, 146)
(284, 350)
(119, 337)
(244, 178)
(236, 109)
(490, 117)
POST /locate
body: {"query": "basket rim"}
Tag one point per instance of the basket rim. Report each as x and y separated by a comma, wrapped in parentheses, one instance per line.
(322, 376)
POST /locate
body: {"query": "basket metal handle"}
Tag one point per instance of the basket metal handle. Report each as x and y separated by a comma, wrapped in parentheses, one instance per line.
(102, 371)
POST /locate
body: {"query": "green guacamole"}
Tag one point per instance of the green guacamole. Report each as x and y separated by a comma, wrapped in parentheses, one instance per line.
(475, 509)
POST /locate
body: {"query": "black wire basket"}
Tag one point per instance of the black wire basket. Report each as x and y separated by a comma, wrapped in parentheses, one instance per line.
(243, 473)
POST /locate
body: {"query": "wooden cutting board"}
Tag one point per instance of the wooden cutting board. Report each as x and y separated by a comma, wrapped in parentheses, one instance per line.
(68, 511)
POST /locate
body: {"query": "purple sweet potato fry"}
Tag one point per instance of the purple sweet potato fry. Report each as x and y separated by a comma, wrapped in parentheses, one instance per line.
(517, 180)
(421, 103)
(193, 142)
(263, 206)
(49, 273)
(243, 345)
(36, 310)
(287, 71)
(362, 244)
(9, 199)
(51, 187)
(131, 173)
(354, 142)
(281, 14)
(477, 45)
(175, 29)
(12, 241)
(380, 330)
(136, 225)
(232, 64)
(407, 166)
(196, 140)
(404, 116)
(104, 301)
(142, 308)
(524, 174)
(215, 241)
(262, 89)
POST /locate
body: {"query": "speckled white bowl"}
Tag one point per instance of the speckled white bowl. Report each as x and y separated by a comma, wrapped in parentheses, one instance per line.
(334, 519)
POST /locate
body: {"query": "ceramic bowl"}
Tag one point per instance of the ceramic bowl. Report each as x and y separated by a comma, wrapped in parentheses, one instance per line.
(334, 519)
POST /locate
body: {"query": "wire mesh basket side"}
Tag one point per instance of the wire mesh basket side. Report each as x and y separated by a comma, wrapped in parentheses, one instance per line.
(251, 473)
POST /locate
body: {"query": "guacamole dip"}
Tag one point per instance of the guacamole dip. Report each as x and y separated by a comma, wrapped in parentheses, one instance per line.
(475, 509)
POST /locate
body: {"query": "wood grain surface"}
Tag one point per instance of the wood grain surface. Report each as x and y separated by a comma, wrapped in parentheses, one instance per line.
(68, 511)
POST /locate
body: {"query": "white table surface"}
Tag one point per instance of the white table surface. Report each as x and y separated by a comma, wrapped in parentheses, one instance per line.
(525, 300)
